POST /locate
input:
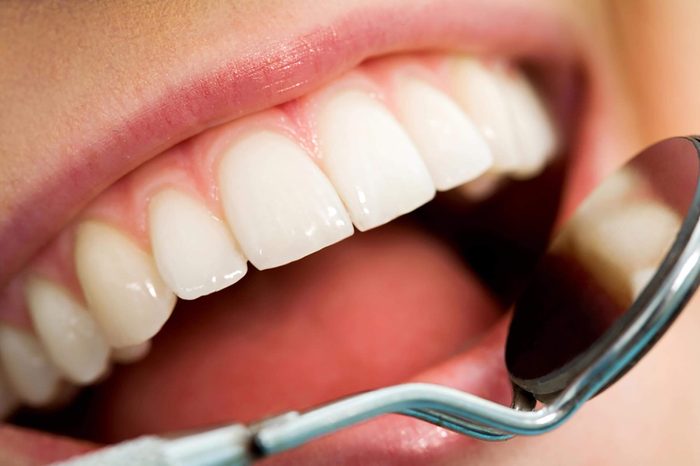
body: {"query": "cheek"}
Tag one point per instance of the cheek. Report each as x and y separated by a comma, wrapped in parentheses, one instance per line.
(651, 416)
(659, 70)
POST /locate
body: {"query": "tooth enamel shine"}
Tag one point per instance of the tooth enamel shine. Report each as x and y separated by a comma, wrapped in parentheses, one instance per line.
(370, 159)
(451, 146)
(194, 251)
(279, 204)
(70, 335)
(121, 285)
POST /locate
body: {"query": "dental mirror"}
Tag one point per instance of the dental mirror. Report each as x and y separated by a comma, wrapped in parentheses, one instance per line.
(605, 266)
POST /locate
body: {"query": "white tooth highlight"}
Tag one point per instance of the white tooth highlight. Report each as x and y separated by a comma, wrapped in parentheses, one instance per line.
(370, 159)
(194, 251)
(29, 372)
(534, 131)
(479, 90)
(130, 354)
(68, 332)
(279, 204)
(448, 141)
(122, 288)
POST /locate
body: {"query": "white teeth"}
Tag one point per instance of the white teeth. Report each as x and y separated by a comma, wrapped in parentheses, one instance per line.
(479, 91)
(534, 131)
(29, 372)
(130, 354)
(194, 251)
(70, 335)
(122, 288)
(509, 113)
(370, 160)
(622, 244)
(279, 204)
(450, 144)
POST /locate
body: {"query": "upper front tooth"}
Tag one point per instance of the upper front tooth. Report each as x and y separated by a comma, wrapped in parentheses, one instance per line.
(480, 91)
(370, 159)
(194, 251)
(279, 204)
(30, 373)
(71, 336)
(448, 140)
(122, 288)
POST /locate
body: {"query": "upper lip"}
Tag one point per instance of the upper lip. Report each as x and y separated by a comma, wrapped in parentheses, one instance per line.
(227, 87)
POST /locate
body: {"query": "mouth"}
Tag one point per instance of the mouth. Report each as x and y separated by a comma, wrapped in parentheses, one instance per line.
(300, 240)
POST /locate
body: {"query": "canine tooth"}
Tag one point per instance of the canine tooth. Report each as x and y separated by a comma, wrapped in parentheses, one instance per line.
(29, 372)
(279, 204)
(480, 92)
(122, 288)
(370, 159)
(451, 146)
(70, 335)
(533, 128)
(194, 251)
(130, 354)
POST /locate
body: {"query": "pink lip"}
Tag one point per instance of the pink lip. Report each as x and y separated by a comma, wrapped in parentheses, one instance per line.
(280, 69)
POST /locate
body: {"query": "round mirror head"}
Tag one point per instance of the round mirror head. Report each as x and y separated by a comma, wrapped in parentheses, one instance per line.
(602, 266)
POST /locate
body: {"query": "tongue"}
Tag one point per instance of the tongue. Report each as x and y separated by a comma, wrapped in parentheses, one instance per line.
(371, 311)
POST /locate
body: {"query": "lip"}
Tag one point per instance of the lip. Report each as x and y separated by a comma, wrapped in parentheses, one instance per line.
(284, 69)
(230, 84)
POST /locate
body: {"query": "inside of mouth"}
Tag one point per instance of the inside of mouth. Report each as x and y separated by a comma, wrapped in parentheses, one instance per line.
(371, 311)
(381, 307)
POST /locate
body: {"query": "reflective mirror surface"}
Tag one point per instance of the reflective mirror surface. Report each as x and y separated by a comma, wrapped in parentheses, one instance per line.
(600, 264)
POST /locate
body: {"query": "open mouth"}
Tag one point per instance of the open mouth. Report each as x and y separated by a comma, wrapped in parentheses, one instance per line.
(370, 231)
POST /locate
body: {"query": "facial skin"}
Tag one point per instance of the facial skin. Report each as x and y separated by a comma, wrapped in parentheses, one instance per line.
(77, 78)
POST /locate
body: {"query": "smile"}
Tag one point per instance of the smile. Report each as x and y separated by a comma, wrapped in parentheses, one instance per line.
(246, 242)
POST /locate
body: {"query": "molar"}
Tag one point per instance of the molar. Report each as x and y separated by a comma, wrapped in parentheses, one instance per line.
(194, 251)
(279, 204)
(68, 332)
(370, 159)
(121, 285)
(449, 142)
(29, 371)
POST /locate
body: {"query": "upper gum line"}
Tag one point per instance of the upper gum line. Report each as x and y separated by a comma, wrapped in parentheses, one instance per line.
(354, 181)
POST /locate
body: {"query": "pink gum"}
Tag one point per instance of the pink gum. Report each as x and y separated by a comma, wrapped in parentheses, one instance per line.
(190, 167)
